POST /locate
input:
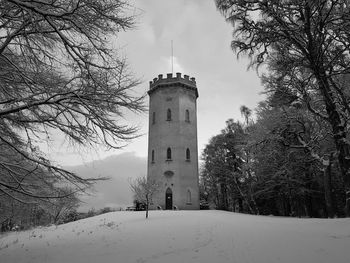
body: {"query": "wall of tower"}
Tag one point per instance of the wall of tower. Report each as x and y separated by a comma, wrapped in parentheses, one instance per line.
(179, 134)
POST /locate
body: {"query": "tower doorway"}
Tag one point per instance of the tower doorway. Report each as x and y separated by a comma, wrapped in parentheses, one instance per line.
(168, 199)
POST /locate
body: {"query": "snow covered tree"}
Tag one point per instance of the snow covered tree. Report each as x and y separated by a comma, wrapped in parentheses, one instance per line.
(310, 40)
(246, 113)
(282, 163)
(293, 164)
(225, 172)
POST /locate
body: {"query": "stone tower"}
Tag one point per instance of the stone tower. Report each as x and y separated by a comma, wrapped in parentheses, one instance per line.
(172, 142)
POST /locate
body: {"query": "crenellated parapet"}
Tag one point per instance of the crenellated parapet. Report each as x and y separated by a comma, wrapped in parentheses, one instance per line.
(171, 81)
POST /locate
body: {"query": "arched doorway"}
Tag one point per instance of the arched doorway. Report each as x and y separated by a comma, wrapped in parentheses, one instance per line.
(168, 199)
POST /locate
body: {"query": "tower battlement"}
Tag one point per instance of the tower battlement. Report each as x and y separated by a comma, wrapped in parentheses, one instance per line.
(170, 80)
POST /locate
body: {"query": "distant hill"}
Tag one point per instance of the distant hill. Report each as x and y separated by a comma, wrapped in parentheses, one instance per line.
(116, 191)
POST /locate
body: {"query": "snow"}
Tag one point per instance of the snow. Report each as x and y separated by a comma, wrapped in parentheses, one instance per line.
(182, 236)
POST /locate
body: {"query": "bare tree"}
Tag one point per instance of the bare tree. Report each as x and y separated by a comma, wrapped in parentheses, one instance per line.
(60, 74)
(144, 190)
(58, 208)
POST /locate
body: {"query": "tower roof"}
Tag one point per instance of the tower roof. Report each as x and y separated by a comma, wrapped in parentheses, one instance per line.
(185, 82)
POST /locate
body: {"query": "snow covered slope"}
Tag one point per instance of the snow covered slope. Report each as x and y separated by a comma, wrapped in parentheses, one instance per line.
(182, 236)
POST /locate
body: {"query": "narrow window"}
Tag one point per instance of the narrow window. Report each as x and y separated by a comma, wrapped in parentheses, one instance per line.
(168, 115)
(168, 154)
(153, 118)
(187, 117)
(152, 156)
(189, 201)
(188, 154)
(169, 173)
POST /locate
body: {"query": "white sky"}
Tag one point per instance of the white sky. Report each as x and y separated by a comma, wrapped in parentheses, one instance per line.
(202, 50)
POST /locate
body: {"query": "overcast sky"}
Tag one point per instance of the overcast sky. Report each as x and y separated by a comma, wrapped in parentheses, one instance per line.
(201, 44)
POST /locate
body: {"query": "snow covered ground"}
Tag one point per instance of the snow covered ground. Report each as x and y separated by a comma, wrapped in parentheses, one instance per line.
(182, 236)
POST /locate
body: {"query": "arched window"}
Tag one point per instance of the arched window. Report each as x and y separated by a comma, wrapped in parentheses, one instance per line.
(152, 156)
(189, 200)
(187, 116)
(168, 154)
(153, 118)
(168, 115)
(188, 154)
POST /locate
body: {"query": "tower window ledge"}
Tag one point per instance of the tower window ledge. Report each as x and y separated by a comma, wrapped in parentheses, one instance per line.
(188, 160)
(188, 203)
(153, 162)
(168, 160)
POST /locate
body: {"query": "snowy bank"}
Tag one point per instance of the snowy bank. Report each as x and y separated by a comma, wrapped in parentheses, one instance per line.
(182, 236)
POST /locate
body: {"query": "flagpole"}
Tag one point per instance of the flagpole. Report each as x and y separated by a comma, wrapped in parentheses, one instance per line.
(172, 58)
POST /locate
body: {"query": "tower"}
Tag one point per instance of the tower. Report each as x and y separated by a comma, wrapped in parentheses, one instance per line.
(172, 142)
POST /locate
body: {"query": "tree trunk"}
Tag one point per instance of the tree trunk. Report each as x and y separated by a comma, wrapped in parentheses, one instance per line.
(291, 202)
(308, 196)
(286, 205)
(223, 197)
(255, 206)
(250, 192)
(147, 207)
(309, 206)
(327, 181)
(240, 205)
(244, 197)
(339, 133)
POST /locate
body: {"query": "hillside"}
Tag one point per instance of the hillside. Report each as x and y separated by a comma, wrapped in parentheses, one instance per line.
(182, 236)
